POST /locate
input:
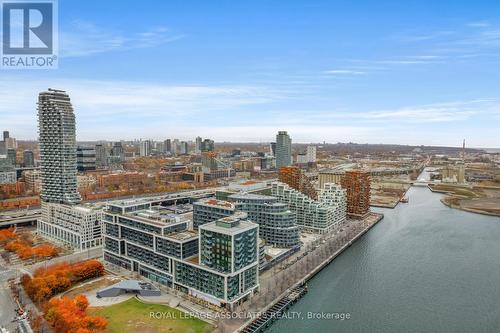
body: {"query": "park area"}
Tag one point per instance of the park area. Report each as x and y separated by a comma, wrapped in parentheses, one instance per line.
(133, 315)
(20, 245)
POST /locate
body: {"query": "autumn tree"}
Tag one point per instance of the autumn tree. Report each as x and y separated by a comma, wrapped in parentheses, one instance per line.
(67, 315)
(54, 279)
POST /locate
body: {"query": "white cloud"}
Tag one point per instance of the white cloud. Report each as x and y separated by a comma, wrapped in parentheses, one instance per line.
(345, 72)
(114, 105)
(428, 113)
(479, 24)
(83, 38)
(126, 110)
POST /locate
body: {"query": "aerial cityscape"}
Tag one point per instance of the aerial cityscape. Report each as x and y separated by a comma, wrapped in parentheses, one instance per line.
(157, 174)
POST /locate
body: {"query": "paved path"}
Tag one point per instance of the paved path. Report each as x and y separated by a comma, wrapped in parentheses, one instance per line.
(7, 305)
(295, 268)
(72, 257)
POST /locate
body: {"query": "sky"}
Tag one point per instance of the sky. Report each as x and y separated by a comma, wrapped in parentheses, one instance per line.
(398, 72)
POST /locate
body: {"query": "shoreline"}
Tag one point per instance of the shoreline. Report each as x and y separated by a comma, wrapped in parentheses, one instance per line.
(469, 210)
(301, 282)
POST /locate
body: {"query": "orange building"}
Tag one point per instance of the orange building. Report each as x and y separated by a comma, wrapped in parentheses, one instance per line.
(17, 203)
(357, 185)
(293, 177)
(12, 190)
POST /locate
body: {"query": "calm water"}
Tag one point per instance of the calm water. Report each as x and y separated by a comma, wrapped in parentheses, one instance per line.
(423, 268)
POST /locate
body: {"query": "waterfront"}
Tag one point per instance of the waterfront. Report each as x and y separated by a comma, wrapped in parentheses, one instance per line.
(424, 268)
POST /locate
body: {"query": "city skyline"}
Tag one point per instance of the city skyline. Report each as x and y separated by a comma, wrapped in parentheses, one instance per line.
(333, 73)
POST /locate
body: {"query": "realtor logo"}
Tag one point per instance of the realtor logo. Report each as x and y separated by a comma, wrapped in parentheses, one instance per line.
(29, 34)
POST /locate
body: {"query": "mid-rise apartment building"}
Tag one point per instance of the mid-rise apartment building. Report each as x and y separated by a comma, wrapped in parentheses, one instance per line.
(322, 215)
(218, 265)
(33, 181)
(209, 210)
(76, 226)
(277, 223)
(357, 183)
(85, 158)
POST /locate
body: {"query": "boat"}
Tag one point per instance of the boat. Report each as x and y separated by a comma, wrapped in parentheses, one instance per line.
(404, 200)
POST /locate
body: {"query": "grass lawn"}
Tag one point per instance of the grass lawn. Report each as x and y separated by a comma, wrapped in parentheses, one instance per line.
(134, 316)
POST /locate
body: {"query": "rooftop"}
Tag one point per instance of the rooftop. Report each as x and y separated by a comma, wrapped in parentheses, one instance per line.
(183, 235)
(130, 202)
(244, 195)
(230, 225)
(156, 217)
(215, 203)
(89, 207)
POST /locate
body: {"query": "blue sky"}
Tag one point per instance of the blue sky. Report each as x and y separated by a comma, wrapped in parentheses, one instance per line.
(410, 72)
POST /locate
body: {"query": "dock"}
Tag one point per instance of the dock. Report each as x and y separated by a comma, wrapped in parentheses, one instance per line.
(263, 321)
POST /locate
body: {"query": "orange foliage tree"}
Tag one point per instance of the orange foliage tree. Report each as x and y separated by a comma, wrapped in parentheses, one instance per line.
(25, 250)
(49, 281)
(67, 315)
(7, 234)
(22, 245)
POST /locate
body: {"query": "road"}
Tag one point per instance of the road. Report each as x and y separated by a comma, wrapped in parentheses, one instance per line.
(7, 304)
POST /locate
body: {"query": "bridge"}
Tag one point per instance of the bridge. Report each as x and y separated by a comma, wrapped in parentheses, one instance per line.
(19, 221)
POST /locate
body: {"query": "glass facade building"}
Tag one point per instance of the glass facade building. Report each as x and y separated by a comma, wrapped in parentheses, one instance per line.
(283, 149)
(218, 264)
(277, 223)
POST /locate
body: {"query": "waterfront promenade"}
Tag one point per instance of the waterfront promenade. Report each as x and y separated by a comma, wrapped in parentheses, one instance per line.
(279, 281)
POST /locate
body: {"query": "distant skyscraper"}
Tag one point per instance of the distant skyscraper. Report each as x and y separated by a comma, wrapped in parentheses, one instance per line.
(145, 148)
(10, 143)
(207, 145)
(197, 146)
(272, 147)
(100, 155)
(28, 159)
(118, 151)
(283, 149)
(184, 148)
(311, 154)
(56, 122)
(85, 158)
(3, 143)
(168, 146)
(11, 156)
(175, 147)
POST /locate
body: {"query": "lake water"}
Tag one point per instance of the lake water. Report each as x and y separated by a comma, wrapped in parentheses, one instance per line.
(424, 268)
